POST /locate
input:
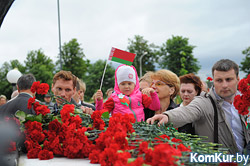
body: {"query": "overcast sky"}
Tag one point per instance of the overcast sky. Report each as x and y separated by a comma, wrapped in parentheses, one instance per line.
(218, 28)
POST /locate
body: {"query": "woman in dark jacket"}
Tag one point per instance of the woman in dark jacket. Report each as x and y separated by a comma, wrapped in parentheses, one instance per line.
(167, 85)
(191, 86)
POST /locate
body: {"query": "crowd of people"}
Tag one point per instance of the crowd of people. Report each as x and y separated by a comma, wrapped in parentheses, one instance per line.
(152, 98)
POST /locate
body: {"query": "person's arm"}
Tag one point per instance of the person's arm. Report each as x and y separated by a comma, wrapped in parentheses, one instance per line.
(99, 100)
(99, 104)
(188, 114)
(183, 115)
(154, 104)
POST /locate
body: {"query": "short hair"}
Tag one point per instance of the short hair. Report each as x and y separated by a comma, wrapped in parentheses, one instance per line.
(147, 77)
(80, 85)
(65, 75)
(169, 78)
(25, 81)
(3, 97)
(225, 65)
(110, 89)
(193, 79)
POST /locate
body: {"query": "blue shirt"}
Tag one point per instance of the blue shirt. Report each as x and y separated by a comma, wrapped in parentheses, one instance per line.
(233, 119)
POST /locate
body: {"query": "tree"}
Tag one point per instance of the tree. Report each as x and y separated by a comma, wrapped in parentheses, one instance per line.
(245, 63)
(176, 55)
(94, 76)
(73, 59)
(40, 65)
(5, 86)
(140, 47)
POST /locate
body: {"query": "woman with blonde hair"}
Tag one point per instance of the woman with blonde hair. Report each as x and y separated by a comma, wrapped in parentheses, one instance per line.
(167, 85)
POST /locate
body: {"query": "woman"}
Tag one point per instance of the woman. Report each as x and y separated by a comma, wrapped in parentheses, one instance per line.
(167, 85)
(145, 81)
(191, 86)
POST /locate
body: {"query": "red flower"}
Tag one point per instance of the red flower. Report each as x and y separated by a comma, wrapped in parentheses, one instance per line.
(30, 126)
(183, 148)
(30, 102)
(143, 147)
(37, 136)
(41, 109)
(209, 79)
(45, 155)
(43, 89)
(241, 105)
(138, 162)
(98, 123)
(176, 140)
(109, 155)
(71, 147)
(94, 156)
(66, 110)
(55, 126)
(33, 153)
(164, 154)
(35, 86)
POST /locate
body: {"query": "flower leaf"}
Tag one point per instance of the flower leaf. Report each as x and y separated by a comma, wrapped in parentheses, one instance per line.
(21, 115)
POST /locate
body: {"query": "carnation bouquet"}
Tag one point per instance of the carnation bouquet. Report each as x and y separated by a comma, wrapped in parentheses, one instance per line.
(242, 101)
(116, 140)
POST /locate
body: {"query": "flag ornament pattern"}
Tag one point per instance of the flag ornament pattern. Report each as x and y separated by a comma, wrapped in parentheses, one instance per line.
(121, 56)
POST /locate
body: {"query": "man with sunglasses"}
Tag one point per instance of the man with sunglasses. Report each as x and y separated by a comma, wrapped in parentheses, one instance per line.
(231, 131)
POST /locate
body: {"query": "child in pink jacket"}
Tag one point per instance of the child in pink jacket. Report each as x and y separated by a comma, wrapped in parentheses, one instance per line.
(127, 98)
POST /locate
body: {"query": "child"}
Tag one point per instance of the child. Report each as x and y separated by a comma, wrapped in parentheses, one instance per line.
(127, 97)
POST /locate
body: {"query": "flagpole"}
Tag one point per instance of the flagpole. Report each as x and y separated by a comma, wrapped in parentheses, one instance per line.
(103, 74)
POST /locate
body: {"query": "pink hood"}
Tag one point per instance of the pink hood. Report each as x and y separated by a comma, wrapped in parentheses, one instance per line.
(137, 88)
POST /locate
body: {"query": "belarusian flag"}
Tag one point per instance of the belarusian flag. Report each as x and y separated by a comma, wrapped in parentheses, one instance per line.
(121, 56)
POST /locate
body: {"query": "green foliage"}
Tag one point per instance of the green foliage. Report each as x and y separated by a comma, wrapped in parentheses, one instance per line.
(245, 63)
(140, 46)
(176, 55)
(40, 65)
(5, 86)
(94, 76)
(73, 59)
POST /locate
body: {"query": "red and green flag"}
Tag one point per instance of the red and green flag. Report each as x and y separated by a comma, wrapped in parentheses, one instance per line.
(121, 56)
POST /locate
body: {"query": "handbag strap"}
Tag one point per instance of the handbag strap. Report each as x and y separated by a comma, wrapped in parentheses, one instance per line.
(215, 120)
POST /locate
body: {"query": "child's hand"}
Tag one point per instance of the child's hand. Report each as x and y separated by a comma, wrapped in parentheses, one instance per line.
(99, 95)
(147, 91)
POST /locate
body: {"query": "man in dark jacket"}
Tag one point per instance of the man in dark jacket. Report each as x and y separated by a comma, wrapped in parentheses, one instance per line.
(24, 84)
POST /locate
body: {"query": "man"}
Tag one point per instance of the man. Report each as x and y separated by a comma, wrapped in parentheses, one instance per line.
(3, 99)
(232, 132)
(64, 88)
(24, 84)
(79, 95)
(48, 102)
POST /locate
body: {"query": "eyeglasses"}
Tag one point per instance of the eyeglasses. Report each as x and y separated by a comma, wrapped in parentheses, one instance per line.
(160, 84)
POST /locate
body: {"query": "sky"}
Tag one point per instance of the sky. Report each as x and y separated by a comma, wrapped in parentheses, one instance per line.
(218, 29)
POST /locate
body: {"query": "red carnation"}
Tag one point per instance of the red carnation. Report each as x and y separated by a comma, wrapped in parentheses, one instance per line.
(33, 153)
(45, 155)
(209, 79)
(31, 101)
(42, 109)
(183, 148)
(138, 162)
(55, 126)
(35, 86)
(43, 89)
(94, 156)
